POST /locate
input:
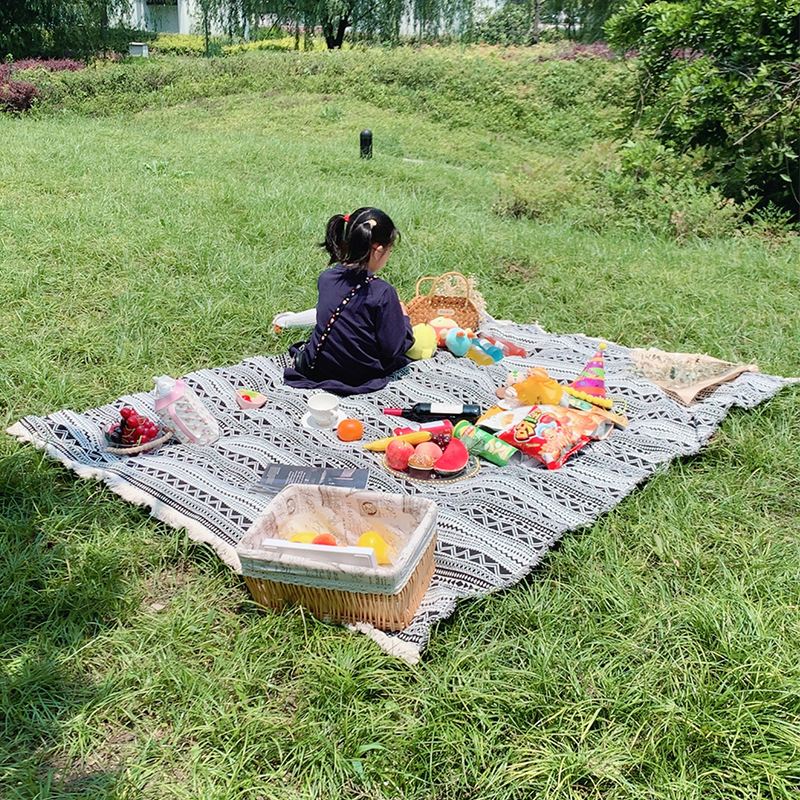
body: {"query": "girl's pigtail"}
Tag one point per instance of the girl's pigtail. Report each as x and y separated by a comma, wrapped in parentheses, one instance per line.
(334, 238)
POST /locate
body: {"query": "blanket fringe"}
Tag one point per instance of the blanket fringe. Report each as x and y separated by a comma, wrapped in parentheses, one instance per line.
(391, 645)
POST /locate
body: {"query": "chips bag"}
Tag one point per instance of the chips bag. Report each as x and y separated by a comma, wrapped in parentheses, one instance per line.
(551, 434)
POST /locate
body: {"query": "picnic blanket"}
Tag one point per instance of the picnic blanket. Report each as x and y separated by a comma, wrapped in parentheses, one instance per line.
(493, 527)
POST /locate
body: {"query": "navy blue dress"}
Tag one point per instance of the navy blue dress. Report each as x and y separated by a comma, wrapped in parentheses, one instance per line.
(367, 342)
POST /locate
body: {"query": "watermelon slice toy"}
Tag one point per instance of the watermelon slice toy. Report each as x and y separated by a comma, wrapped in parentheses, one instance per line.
(453, 460)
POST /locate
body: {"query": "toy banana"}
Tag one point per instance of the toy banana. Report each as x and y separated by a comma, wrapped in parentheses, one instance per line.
(415, 437)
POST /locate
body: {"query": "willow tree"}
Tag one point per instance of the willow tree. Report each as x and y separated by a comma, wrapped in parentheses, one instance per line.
(53, 28)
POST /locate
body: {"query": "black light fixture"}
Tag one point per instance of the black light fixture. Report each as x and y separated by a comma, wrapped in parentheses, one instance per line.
(366, 144)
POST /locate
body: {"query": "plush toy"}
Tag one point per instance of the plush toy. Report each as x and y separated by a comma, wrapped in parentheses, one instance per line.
(458, 341)
(442, 325)
(530, 387)
(424, 342)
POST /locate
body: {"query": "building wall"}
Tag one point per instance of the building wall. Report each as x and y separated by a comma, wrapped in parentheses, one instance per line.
(182, 16)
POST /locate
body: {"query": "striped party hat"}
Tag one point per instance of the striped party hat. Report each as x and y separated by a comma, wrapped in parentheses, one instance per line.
(590, 385)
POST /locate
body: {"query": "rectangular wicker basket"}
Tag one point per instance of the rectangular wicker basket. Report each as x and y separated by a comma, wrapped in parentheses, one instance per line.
(348, 590)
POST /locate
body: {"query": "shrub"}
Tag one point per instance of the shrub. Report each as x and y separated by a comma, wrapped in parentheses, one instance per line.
(721, 77)
(17, 96)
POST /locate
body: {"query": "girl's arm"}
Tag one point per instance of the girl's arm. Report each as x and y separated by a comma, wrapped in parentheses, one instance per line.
(392, 326)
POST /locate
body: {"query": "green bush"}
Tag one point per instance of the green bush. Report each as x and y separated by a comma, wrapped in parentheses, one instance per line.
(721, 77)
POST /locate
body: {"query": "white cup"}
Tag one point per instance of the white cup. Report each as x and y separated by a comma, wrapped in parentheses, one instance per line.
(324, 409)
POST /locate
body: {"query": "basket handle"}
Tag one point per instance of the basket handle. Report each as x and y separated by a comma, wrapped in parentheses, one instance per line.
(439, 278)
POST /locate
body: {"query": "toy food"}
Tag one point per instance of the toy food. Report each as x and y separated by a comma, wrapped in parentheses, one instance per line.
(132, 429)
(377, 543)
(325, 538)
(350, 430)
(420, 465)
(454, 458)
(397, 454)
(304, 537)
(415, 437)
(429, 449)
(551, 434)
(424, 342)
(249, 398)
(484, 444)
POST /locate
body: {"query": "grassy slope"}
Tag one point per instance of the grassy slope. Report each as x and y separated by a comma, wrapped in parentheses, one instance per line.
(653, 655)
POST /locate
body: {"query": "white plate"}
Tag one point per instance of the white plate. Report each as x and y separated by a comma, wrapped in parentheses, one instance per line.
(310, 423)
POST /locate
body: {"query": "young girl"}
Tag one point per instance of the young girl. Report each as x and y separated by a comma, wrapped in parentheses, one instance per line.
(363, 330)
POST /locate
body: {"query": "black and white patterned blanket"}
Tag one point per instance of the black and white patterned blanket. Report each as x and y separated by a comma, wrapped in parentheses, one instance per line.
(493, 528)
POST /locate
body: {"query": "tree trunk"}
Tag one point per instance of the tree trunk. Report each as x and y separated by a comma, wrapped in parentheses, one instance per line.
(334, 40)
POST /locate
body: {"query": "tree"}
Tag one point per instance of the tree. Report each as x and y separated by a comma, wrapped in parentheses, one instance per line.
(721, 79)
(56, 27)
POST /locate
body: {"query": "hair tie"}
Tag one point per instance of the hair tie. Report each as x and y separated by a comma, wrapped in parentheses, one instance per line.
(346, 218)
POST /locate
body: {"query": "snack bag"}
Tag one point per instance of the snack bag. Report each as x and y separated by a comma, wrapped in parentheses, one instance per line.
(551, 434)
(181, 411)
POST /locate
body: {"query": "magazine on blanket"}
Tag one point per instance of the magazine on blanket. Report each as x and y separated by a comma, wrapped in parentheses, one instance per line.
(276, 476)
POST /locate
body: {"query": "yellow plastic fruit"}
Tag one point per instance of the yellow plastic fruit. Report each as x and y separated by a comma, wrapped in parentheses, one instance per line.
(380, 445)
(304, 537)
(376, 542)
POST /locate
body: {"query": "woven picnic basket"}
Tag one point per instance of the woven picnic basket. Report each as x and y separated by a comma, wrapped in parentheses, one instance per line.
(279, 572)
(450, 295)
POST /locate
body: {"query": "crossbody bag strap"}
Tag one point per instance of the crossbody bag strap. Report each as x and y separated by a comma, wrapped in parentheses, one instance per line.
(337, 312)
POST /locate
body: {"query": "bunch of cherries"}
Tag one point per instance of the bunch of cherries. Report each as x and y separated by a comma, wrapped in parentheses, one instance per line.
(442, 439)
(132, 429)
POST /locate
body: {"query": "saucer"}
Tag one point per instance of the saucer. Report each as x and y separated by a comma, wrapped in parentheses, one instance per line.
(309, 422)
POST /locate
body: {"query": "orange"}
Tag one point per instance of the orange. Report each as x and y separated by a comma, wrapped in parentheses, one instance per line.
(350, 430)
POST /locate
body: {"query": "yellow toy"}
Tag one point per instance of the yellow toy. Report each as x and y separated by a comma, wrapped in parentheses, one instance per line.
(531, 387)
(424, 342)
(442, 325)
(538, 389)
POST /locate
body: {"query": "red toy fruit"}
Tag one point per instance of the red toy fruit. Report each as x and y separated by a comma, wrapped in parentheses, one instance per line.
(325, 538)
(397, 454)
(453, 460)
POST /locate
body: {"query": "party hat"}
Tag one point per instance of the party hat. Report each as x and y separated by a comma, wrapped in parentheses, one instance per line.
(590, 385)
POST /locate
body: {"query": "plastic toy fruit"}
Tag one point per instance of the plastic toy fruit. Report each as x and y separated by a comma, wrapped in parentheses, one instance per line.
(429, 449)
(132, 429)
(397, 454)
(304, 537)
(325, 538)
(377, 543)
(350, 430)
(453, 460)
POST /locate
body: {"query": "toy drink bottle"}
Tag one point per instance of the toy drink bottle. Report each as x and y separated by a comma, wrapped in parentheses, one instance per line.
(483, 352)
(493, 350)
(429, 412)
(508, 348)
(437, 426)
(479, 355)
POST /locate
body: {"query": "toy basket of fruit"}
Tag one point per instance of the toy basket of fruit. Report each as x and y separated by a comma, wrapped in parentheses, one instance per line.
(346, 555)
(134, 433)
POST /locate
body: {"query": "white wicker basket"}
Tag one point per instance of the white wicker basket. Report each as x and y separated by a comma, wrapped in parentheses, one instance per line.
(335, 583)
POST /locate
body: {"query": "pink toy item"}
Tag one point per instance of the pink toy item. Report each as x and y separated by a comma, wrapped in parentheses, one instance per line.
(442, 325)
(250, 399)
(590, 385)
(508, 348)
(182, 412)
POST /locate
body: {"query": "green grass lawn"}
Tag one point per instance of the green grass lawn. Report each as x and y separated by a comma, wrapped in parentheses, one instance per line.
(655, 654)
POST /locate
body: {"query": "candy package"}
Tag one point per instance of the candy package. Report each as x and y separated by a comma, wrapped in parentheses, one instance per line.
(551, 434)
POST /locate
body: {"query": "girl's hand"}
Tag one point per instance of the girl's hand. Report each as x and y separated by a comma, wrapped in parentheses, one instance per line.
(403, 308)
